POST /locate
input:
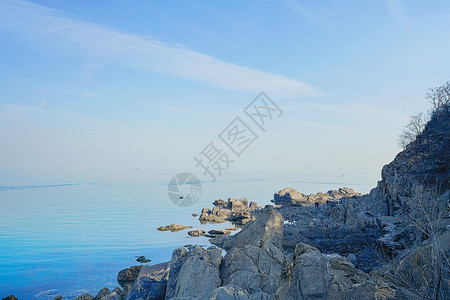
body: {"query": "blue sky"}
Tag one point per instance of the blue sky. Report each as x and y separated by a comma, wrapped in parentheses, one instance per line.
(120, 84)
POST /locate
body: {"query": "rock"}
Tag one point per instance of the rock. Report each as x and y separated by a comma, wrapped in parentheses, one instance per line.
(352, 258)
(310, 277)
(194, 273)
(229, 292)
(302, 248)
(196, 232)
(237, 205)
(116, 294)
(128, 275)
(232, 228)
(219, 203)
(102, 293)
(10, 297)
(84, 297)
(268, 226)
(194, 215)
(288, 196)
(173, 227)
(59, 297)
(219, 232)
(143, 260)
(254, 269)
(151, 282)
(254, 205)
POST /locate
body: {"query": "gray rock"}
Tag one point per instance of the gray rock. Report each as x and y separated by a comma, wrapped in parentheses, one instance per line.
(128, 275)
(268, 226)
(229, 292)
(254, 269)
(102, 293)
(310, 278)
(151, 282)
(84, 297)
(288, 196)
(194, 273)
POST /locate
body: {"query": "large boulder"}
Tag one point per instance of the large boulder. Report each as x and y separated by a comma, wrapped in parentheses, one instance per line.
(268, 226)
(194, 274)
(151, 282)
(288, 196)
(128, 276)
(257, 270)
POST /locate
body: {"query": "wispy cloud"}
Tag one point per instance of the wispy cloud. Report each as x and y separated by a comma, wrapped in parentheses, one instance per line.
(51, 28)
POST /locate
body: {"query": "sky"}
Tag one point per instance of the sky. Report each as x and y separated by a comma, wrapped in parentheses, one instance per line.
(119, 84)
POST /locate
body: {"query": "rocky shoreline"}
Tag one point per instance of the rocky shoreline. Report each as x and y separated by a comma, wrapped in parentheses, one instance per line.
(393, 243)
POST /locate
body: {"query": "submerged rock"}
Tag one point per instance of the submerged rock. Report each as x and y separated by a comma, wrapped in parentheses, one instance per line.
(173, 227)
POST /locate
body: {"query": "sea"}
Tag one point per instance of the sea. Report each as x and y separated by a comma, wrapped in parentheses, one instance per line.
(73, 235)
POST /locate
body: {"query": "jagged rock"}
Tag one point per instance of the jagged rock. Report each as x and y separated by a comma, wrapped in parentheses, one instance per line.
(254, 269)
(84, 297)
(194, 273)
(10, 297)
(220, 203)
(196, 232)
(116, 294)
(303, 248)
(102, 293)
(254, 205)
(288, 196)
(151, 282)
(173, 227)
(59, 297)
(268, 226)
(143, 260)
(128, 275)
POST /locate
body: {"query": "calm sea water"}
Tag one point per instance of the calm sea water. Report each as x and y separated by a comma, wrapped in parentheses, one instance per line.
(73, 236)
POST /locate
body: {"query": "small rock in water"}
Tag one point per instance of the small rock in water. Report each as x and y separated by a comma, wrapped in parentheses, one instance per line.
(143, 260)
(10, 297)
(194, 215)
(173, 227)
(219, 232)
(196, 232)
(59, 297)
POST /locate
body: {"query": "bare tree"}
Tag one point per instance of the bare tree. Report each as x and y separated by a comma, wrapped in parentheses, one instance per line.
(439, 97)
(415, 126)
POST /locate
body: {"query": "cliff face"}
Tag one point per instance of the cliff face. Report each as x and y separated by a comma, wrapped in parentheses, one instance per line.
(424, 162)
